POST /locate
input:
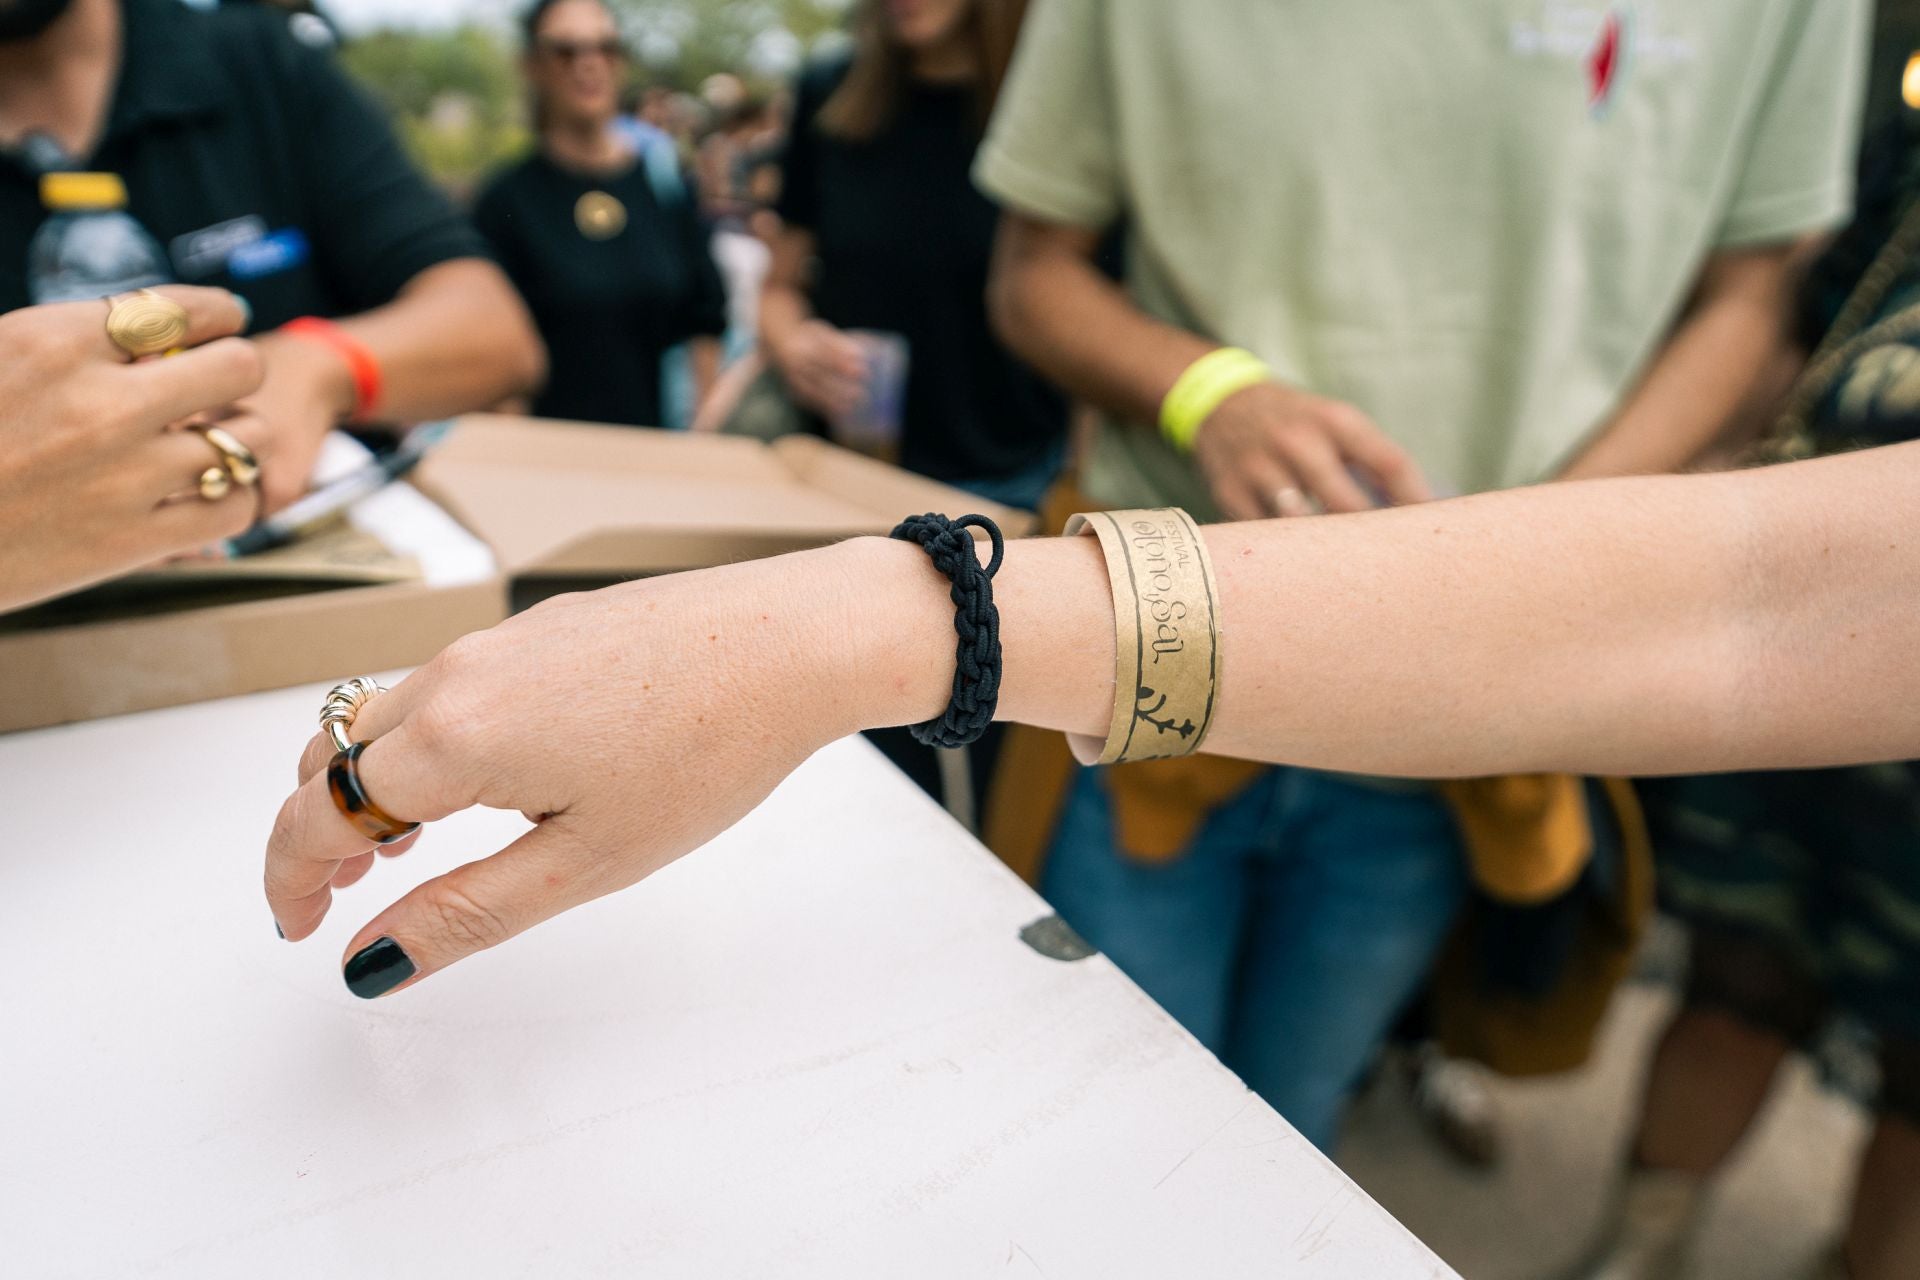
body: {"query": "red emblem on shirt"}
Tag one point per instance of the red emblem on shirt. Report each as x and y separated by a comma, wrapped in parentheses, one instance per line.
(1603, 64)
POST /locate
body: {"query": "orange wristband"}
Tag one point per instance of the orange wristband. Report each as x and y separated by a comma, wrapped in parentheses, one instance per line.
(362, 365)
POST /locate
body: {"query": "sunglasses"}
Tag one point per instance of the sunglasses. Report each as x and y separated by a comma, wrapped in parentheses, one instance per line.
(570, 51)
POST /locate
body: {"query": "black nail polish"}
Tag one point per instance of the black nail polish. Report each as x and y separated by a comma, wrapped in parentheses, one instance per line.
(278, 931)
(378, 968)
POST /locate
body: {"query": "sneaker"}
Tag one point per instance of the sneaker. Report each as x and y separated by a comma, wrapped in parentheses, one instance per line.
(1454, 1100)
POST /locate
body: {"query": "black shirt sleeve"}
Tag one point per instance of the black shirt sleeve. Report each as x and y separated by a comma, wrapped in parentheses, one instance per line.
(375, 222)
(706, 310)
(798, 205)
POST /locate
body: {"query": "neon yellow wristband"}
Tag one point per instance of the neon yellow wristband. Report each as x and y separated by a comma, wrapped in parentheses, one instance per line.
(1200, 390)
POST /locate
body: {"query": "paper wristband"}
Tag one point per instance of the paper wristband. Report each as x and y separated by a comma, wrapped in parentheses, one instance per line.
(1166, 635)
(1206, 383)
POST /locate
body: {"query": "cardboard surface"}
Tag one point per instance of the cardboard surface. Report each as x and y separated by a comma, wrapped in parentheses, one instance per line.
(570, 499)
(552, 499)
(99, 669)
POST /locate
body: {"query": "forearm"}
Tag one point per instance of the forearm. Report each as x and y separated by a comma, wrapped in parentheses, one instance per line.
(1717, 371)
(703, 354)
(1652, 625)
(783, 309)
(457, 338)
(1054, 308)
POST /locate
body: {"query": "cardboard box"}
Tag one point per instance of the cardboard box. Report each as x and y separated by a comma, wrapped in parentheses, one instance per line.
(568, 500)
(556, 501)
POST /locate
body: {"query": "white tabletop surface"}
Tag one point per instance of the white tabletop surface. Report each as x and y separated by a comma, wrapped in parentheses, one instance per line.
(815, 1048)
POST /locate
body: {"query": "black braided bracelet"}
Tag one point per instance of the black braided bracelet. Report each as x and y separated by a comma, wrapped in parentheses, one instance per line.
(976, 672)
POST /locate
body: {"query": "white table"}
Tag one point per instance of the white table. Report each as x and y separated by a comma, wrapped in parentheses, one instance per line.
(816, 1048)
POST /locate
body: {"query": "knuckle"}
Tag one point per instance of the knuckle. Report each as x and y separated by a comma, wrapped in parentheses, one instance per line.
(435, 731)
(462, 919)
(237, 360)
(280, 839)
(314, 756)
(441, 728)
(40, 344)
(464, 658)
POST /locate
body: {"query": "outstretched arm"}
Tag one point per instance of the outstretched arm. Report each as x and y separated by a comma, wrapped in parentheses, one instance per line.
(1645, 625)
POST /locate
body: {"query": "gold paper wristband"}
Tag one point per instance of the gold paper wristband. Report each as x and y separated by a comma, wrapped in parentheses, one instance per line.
(1166, 632)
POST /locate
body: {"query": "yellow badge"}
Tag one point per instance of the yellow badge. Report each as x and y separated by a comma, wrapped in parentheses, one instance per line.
(599, 216)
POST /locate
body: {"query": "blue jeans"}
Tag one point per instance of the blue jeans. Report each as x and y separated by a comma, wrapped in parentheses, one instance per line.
(1023, 489)
(1289, 935)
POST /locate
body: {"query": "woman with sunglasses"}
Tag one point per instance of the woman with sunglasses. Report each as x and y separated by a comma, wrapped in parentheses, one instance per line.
(604, 242)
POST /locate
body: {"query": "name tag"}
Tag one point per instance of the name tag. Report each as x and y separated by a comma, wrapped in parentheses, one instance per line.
(199, 254)
(282, 251)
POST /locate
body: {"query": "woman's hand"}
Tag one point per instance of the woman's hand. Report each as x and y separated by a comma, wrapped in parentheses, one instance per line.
(823, 368)
(87, 459)
(630, 725)
(307, 391)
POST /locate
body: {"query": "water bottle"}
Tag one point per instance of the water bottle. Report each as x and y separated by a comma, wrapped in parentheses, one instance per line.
(90, 246)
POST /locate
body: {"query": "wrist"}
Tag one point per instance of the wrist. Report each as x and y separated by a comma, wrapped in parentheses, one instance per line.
(343, 370)
(1206, 384)
(893, 617)
(319, 375)
(892, 614)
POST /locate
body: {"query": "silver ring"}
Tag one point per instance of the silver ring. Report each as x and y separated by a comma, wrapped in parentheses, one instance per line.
(343, 704)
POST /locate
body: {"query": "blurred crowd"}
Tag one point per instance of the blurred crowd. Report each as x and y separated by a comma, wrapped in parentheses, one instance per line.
(1425, 250)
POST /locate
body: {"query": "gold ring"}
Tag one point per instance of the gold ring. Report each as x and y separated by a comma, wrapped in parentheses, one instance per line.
(239, 460)
(343, 704)
(145, 324)
(214, 484)
(210, 485)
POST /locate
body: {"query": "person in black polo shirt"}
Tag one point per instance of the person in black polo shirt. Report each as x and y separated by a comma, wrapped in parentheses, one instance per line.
(603, 239)
(255, 164)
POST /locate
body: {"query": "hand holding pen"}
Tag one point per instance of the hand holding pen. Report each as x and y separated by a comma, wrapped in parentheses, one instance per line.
(331, 499)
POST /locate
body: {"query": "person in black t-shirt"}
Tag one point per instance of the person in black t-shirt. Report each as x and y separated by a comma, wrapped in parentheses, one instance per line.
(878, 202)
(605, 241)
(256, 165)
(884, 230)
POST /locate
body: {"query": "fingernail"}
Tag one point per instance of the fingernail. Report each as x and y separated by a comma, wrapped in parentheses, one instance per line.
(278, 932)
(378, 968)
(246, 313)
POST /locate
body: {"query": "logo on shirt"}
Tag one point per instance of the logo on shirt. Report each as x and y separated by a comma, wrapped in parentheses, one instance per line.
(1604, 63)
(284, 250)
(1604, 40)
(202, 253)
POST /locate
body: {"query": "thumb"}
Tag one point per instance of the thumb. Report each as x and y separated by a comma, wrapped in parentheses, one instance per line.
(469, 909)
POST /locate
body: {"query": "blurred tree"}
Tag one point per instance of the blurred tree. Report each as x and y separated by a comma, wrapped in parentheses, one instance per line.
(456, 98)
(682, 42)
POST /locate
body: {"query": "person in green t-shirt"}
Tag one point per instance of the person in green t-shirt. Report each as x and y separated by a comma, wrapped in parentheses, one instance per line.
(1379, 252)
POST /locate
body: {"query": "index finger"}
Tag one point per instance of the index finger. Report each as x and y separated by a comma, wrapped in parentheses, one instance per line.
(211, 314)
(208, 377)
(1392, 466)
(312, 837)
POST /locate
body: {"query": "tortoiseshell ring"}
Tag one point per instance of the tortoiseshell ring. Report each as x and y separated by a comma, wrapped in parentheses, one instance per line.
(351, 798)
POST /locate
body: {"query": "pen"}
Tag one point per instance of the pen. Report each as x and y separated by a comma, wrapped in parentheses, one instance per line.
(331, 499)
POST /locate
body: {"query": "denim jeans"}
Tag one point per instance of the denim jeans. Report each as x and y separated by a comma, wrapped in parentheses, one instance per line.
(1023, 489)
(1289, 935)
